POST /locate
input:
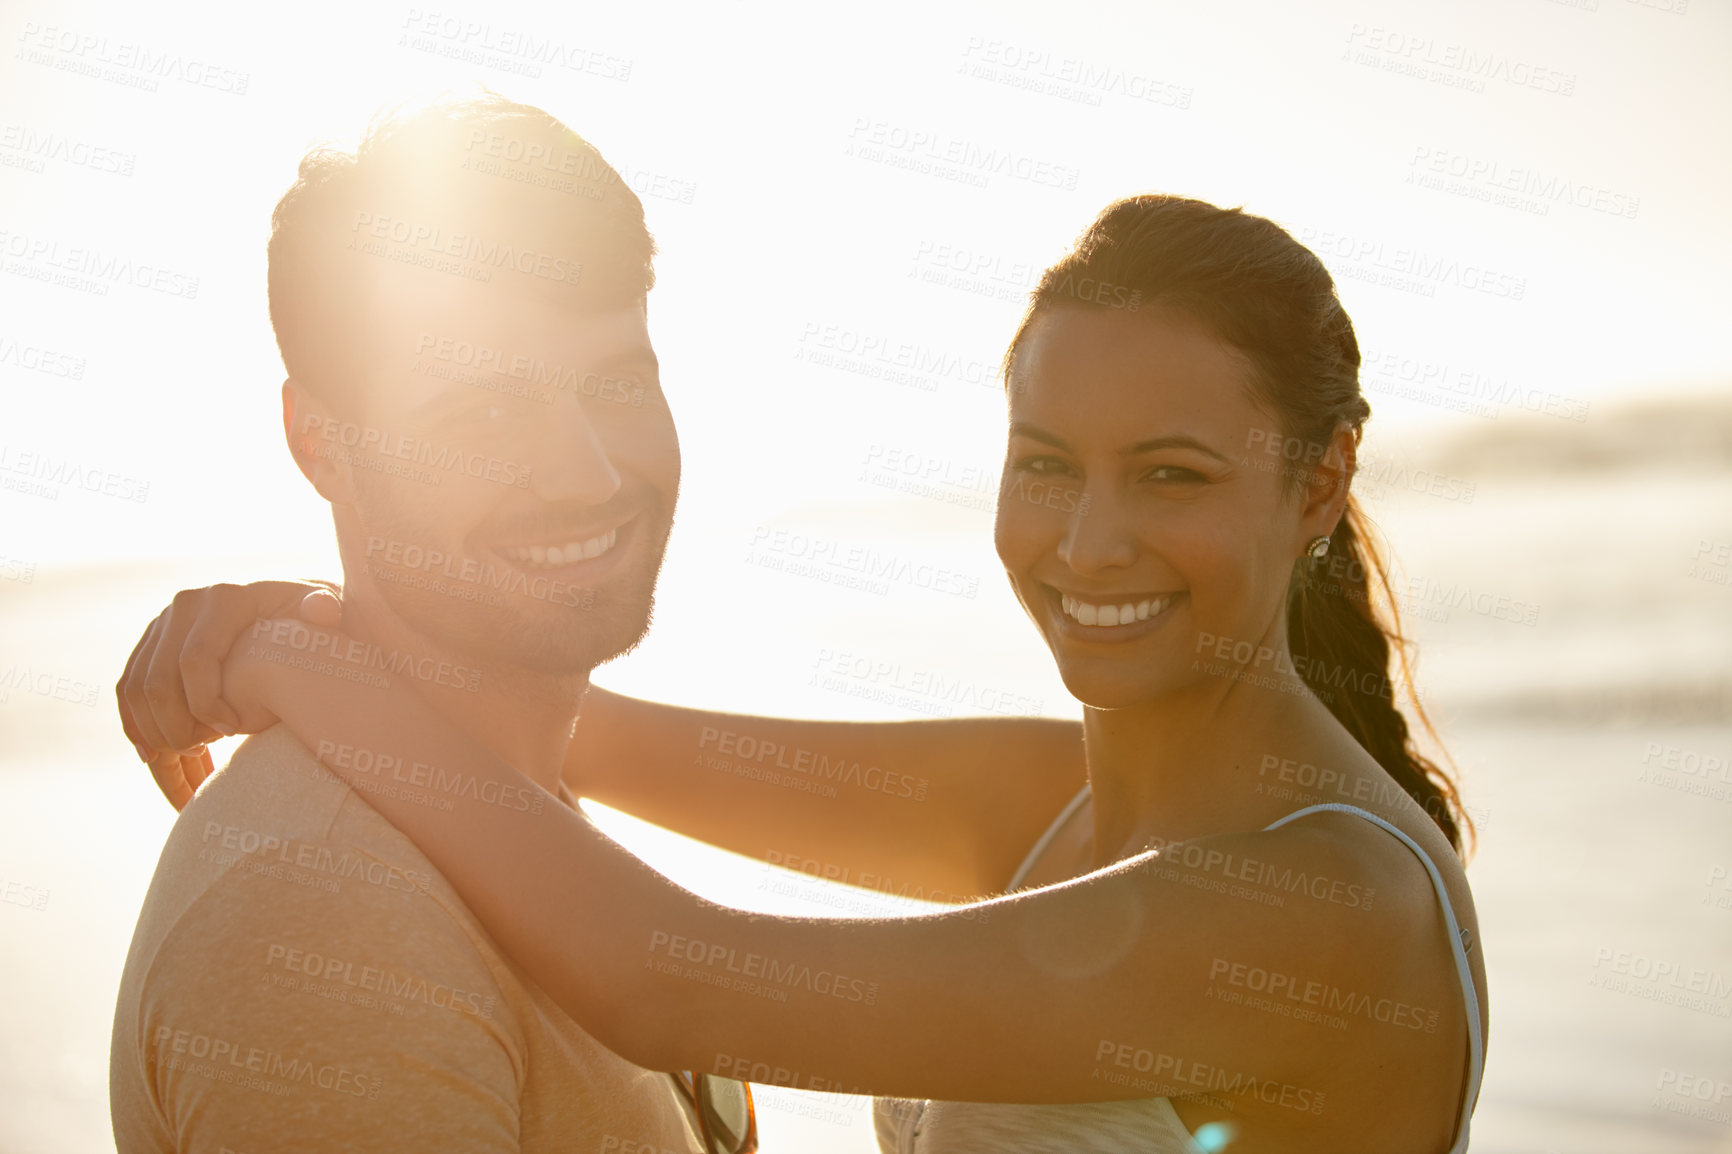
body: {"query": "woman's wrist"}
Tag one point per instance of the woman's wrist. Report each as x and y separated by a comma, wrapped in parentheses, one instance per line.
(251, 681)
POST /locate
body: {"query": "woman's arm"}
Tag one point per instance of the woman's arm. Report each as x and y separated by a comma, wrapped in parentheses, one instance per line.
(937, 809)
(941, 810)
(170, 693)
(1130, 982)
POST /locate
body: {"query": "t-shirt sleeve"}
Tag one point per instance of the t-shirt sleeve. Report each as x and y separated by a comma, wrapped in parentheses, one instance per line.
(291, 1011)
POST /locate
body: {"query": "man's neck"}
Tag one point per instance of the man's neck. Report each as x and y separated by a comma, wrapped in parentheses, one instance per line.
(523, 717)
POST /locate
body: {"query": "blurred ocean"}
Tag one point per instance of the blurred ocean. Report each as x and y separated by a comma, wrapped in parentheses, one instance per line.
(1574, 630)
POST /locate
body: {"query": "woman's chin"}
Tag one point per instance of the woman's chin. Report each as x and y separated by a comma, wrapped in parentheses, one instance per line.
(1109, 690)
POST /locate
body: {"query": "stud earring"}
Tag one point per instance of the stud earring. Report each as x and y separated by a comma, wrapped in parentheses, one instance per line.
(1318, 549)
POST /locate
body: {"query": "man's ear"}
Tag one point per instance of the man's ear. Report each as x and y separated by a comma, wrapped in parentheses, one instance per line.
(305, 420)
(1327, 486)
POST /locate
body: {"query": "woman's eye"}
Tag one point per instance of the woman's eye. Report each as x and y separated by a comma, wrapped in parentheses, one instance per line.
(1046, 465)
(1173, 473)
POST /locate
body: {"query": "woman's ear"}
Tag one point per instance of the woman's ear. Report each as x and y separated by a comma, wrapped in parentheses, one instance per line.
(1327, 487)
(311, 430)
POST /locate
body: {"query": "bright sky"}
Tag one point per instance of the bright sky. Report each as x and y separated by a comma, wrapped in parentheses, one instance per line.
(875, 187)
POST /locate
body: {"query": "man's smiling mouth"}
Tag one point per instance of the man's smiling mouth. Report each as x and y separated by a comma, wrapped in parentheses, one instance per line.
(563, 548)
(555, 556)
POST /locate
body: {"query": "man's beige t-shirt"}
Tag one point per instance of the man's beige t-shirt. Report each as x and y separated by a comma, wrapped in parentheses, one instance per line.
(302, 979)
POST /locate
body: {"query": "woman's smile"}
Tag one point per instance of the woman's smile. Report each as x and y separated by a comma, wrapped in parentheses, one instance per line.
(1110, 617)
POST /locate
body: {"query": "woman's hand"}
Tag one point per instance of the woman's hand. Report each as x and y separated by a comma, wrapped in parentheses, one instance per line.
(171, 696)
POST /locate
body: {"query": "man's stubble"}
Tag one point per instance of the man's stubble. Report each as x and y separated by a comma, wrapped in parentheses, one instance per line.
(500, 625)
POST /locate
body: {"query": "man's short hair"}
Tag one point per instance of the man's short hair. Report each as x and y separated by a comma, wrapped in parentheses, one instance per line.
(498, 193)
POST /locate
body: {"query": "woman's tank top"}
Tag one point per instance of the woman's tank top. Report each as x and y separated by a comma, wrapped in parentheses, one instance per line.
(1143, 1125)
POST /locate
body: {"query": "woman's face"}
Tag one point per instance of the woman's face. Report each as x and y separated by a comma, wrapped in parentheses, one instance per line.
(1142, 518)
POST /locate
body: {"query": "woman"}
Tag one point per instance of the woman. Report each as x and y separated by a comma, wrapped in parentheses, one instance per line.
(1208, 956)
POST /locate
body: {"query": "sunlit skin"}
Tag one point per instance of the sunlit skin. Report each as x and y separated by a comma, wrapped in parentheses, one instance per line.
(1147, 417)
(595, 467)
(1149, 426)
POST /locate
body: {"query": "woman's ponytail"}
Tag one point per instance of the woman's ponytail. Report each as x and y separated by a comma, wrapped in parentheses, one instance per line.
(1344, 633)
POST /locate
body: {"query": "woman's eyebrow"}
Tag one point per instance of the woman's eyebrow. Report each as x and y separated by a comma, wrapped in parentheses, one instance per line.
(1171, 441)
(1036, 433)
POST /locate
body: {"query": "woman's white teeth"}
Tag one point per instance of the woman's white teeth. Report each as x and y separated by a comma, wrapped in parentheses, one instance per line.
(1087, 613)
(563, 554)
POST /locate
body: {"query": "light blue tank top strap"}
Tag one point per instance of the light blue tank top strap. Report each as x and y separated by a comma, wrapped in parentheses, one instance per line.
(1470, 996)
(1046, 838)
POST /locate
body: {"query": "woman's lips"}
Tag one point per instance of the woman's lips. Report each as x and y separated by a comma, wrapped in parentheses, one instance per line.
(1131, 615)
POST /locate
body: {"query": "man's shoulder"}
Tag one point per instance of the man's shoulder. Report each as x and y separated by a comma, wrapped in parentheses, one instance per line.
(288, 966)
(271, 775)
(275, 839)
(275, 794)
(283, 926)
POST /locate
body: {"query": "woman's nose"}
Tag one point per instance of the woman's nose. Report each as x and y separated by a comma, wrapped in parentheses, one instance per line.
(1097, 537)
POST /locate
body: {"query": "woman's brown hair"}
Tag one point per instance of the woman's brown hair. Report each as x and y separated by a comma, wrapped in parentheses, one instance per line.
(1270, 297)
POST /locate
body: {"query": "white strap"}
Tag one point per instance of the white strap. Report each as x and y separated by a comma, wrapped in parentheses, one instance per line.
(1046, 838)
(1475, 1047)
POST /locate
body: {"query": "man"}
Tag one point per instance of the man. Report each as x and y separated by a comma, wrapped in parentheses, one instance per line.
(472, 388)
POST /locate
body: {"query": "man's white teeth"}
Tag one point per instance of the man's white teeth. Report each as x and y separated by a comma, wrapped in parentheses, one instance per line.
(1087, 613)
(550, 555)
